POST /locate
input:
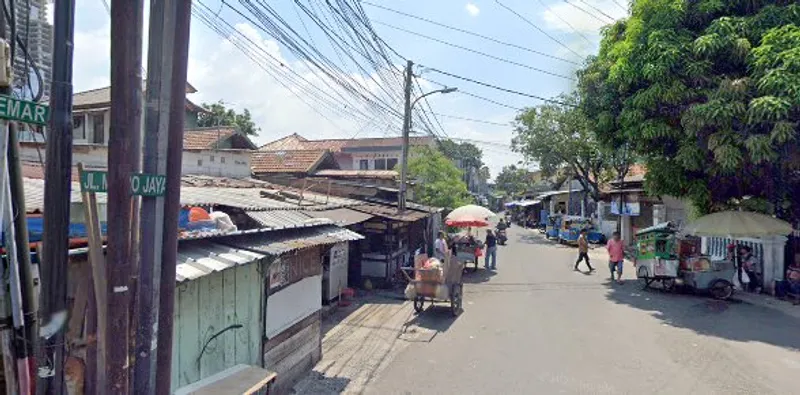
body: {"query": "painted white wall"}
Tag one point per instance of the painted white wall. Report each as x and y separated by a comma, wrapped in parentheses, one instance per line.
(370, 157)
(292, 304)
(337, 277)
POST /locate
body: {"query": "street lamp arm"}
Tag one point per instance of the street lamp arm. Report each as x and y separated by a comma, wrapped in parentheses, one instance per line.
(444, 90)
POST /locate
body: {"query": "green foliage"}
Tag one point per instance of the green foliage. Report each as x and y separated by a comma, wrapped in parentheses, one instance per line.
(512, 180)
(438, 182)
(219, 115)
(707, 92)
(469, 154)
(558, 136)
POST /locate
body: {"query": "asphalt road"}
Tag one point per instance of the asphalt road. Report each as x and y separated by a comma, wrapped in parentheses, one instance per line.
(537, 327)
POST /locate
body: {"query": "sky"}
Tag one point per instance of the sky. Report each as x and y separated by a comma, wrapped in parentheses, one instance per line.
(221, 71)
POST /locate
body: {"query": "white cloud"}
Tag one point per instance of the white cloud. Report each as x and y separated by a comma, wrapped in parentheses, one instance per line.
(472, 9)
(588, 22)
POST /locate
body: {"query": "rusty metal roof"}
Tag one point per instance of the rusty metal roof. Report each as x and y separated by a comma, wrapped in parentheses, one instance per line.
(390, 212)
(286, 219)
(341, 216)
(279, 242)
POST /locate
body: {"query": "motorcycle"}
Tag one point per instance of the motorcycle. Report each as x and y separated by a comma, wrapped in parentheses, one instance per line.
(501, 237)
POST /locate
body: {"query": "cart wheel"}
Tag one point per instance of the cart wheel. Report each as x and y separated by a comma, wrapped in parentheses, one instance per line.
(668, 284)
(721, 289)
(455, 300)
(642, 274)
(419, 303)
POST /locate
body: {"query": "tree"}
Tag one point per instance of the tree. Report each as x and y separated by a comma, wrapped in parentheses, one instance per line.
(708, 93)
(557, 135)
(467, 153)
(438, 182)
(219, 115)
(512, 180)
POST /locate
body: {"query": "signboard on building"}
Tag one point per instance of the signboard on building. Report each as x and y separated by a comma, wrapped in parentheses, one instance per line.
(632, 209)
(23, 111)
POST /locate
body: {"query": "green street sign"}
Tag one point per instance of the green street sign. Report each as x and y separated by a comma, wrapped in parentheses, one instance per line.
(94, 181)
(148, 184)
(23, 111)
(141, 184)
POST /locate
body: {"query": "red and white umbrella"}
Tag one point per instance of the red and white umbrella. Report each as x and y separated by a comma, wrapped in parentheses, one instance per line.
(469, 216)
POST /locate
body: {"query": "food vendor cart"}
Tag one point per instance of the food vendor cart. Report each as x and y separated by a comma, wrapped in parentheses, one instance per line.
(676, 262)
(435, 281)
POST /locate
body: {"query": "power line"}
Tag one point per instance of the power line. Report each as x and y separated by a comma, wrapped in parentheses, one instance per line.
(470, 94)
(469, 32)
(565, 21)
(499, 88)
(620, 6)
(597, 9)
(476, 51)
(537, 28)
(469, 119)
(585, 12)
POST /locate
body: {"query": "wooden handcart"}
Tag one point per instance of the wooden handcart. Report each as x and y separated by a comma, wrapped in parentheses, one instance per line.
(431, 287)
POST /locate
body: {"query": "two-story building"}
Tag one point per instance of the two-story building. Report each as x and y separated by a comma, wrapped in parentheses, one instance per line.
(374, 153)
(218, 151)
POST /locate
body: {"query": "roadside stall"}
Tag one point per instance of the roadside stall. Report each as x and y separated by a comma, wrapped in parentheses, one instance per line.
(467, 246)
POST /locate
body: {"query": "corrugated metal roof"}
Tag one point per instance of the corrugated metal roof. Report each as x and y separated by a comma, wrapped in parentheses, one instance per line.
(276, 243)
(390, 212)
(286, 219)
(341, 216)
(200, 258)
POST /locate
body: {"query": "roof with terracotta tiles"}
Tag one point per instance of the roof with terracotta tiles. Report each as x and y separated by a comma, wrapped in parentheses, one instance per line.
(301, 161)
(294, 142)
(215, 138)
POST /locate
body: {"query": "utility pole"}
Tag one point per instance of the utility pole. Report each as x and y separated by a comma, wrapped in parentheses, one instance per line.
(124, 139)
(57, 192)
(401, 204)
(160, 63)
(169, 254)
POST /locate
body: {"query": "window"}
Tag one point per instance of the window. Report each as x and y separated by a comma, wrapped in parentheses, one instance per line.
(78, 127)
(98, 128)
(221, 159)
(199, 162)
(380, 164)
(211, 158)
(363, 164)
(391, 163)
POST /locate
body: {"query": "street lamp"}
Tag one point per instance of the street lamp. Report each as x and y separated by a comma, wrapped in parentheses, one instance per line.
(401, 204)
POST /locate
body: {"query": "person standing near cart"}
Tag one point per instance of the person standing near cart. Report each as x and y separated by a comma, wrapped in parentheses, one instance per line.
(491, 250)
(583, 251)
(616, 256)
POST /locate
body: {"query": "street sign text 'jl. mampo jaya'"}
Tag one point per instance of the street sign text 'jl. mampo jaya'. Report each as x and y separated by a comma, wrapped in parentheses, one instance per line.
(141, 184)
(23, 111)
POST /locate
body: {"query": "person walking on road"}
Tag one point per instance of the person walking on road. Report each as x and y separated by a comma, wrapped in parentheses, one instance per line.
(583, 251)
(491, 250)
(616, 256)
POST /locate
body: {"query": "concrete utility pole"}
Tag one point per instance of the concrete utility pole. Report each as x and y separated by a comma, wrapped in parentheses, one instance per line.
(401, 204)
(158, 120)
(124, 139)
(58, 183)
(409, 106)
(169, 254)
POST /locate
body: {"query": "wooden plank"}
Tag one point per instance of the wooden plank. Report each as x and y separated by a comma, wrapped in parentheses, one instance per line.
(246, 291)
(230, 311)
(176, 365)
(212, 321)
(187, 333)
(240, 379)
(80, 303)
(99, 279)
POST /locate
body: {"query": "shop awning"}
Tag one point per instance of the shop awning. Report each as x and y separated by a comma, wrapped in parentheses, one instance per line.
(526, 203)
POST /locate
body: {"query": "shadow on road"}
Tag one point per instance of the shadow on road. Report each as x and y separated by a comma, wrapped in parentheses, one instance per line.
(480, 276)
(436, 317)
(732, 320)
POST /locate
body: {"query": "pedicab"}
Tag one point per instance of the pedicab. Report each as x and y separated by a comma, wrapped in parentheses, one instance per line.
(432, 281)
(553, 226)
(675, 261)
(571, 227)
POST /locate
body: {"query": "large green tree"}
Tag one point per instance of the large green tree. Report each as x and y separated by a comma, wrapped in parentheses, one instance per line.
(512, 180)
(557, 135)
(219, 115)
(708, 93)
(437, 181)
